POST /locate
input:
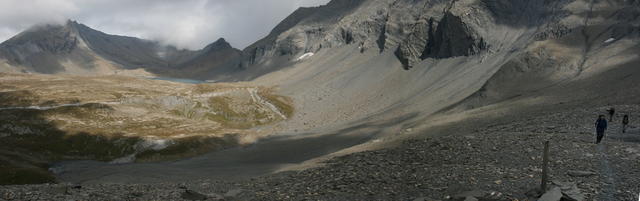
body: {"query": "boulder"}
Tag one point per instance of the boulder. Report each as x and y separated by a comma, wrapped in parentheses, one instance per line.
(470, 198)
(193, 195)
(570, 191)
(555, 194)
(233, 193)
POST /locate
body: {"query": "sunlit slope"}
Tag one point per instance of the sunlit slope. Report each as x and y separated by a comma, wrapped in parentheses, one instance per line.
(124, 119)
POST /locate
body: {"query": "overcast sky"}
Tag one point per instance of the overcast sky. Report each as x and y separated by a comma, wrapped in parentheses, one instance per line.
(188, 24)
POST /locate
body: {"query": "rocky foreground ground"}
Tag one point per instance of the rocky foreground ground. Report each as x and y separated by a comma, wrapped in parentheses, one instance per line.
(499, 161)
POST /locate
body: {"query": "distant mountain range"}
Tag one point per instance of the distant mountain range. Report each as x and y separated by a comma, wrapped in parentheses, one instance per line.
(414, 32)
(75, 48)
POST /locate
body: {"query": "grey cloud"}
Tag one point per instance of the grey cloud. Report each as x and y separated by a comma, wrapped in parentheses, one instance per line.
(186, 24)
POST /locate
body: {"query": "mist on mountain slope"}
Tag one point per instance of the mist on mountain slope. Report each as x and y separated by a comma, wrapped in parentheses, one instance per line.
(185, 24)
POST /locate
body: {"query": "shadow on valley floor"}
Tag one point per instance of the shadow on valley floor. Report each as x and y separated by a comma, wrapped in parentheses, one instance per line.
(17, 98)
(264, 157)
(29, 141)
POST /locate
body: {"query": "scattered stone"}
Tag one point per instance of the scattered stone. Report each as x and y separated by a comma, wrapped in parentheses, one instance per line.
(570, 191)
(62, 190)
(472, 193)
(401, 173)
(136, 194)
(470, 198)
(579, 173)
(233, 193)
(534, 193)
(554, 194)
(192, 195)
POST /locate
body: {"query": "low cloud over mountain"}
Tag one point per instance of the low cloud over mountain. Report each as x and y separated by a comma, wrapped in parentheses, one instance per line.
(188, 24)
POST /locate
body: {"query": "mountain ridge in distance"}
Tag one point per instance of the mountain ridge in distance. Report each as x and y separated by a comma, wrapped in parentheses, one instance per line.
(74, 47)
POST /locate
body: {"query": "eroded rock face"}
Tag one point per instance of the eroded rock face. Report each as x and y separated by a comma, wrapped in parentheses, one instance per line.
(453, 38)
(306, 29)
(40, 48)
(411, 50)
(445, 38)
(57, 39)
(413, 30)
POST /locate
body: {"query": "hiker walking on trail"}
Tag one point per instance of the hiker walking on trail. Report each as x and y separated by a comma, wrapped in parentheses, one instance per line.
(611, 111)
(625, 123)
(601, 126)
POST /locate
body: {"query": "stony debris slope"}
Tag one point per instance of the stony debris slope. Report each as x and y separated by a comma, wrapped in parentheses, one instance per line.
(489, 160)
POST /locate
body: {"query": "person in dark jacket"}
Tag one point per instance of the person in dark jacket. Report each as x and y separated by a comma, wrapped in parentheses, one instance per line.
(611, 111)
(625, 123)
(601, 126)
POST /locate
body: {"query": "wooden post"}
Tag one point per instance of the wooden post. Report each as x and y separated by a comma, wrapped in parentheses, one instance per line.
(545, 166)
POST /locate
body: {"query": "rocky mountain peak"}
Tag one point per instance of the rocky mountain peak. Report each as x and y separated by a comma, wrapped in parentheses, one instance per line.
(48, 38)
(219, 44)
(71, 23)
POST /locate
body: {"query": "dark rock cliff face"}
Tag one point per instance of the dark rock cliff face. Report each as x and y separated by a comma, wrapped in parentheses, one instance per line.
(452, 38)
(412, 49)
(448, 37)
(413, 30)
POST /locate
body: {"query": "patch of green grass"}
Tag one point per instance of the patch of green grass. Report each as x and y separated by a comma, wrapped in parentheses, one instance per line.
(260, 114)
(86, 111)
(227, 122)
(19, 98)
(117, 95)
(12, 175)
(228, 117)
(32, 133)
(208, 88)
(188, 147)
(45, 145)
(283, 103)
(18, 168)
(73, 146)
